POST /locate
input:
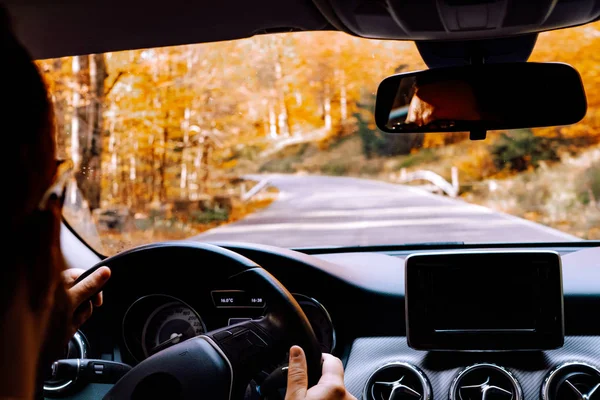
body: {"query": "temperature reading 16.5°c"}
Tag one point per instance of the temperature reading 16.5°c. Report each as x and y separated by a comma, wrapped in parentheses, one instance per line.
(237, 299)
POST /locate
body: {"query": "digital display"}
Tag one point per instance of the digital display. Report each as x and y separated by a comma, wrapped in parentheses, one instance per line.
(236, 299)
(484, 301)
(481, 298)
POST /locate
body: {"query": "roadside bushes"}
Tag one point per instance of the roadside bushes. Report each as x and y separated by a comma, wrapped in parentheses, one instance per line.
(282, 166)
(335, 168)
(520, 149)
(589, 189)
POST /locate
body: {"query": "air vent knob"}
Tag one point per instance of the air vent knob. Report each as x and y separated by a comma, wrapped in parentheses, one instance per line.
(486, 391)
(572, 381)
(485, 382)
(397, 381)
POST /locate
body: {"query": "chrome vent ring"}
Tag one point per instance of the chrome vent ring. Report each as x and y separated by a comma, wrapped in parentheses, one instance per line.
(572, 380)
(397, 381)
(485, 382)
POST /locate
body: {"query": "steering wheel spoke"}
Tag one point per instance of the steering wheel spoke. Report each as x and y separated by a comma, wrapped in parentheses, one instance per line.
(247, 345)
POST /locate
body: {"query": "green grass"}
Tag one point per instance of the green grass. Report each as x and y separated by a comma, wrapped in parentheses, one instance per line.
(282, 166)
(421, 157)
(371, 168)
(335, 168)
(203, 217)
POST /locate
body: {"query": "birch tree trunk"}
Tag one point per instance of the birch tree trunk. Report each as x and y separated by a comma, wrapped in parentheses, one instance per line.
(327, 108)
(343, 97)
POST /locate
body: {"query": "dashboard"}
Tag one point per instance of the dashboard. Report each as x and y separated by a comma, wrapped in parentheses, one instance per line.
(355, 301)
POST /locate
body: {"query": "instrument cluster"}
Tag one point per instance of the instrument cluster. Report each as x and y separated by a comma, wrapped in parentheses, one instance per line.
(155, 322)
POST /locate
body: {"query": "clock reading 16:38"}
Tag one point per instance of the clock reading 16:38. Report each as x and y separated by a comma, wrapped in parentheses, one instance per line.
(236, 299)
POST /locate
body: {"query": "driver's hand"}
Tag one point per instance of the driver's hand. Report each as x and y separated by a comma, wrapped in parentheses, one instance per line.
(330, 386)
(85, 295)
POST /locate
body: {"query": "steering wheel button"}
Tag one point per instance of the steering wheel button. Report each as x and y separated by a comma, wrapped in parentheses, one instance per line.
(222, 335)
(237, 329)
(233, 321)
(255, 340)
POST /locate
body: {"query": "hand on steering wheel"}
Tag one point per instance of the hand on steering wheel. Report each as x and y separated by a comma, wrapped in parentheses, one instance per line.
(330, 386)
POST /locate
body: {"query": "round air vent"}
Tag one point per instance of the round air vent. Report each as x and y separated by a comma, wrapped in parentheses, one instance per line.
(485, 382)
(397, 381)
(572, 381)
(77, 348)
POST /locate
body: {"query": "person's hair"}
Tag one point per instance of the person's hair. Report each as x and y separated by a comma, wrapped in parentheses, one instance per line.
(27, 129)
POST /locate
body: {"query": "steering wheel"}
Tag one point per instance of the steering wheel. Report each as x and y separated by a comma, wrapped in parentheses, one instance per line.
(220, 363)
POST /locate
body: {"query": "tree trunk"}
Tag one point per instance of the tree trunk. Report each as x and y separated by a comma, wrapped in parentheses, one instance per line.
(60, 109)
(284, 117)
(272, 121)
(327, 108)
(152, 188)
(90, 171)
(166, 96)
(163, 163)
(78, 111)
(281, 87)
(343, 98)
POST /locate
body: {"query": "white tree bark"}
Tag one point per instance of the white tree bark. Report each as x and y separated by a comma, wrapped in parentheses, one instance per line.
(343, 97)
(272, 122)
(327, 108)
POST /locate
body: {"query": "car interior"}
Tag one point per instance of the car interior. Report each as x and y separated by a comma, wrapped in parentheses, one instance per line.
(514, 321)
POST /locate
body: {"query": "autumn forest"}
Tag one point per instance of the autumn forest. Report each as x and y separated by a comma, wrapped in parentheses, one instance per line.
(162, 138)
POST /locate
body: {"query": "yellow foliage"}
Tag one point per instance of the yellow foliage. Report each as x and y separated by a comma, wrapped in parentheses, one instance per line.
(578, 47)
(170, 114)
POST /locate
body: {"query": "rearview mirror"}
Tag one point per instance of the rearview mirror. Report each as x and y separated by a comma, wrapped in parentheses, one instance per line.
(478, 98)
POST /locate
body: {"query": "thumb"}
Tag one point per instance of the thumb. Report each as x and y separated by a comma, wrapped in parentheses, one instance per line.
(297, 376)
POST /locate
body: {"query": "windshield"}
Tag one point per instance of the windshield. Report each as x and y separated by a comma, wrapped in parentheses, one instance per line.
(272, 140)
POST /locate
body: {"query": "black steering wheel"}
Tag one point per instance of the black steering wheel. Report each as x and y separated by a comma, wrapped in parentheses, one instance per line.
(220, 363)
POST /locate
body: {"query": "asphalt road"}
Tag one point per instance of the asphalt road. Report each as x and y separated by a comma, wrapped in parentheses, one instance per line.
(319, 211)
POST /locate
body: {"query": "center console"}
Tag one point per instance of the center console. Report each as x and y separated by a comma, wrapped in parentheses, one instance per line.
(379, 365)
(479, 326)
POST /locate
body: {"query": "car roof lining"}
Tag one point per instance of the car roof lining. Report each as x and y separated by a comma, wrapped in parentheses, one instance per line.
(63, 28)
(71, 28)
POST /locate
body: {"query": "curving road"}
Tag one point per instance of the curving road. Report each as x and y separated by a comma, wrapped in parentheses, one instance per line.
(321, 211)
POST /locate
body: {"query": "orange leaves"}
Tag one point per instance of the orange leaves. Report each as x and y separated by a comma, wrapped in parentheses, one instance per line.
(579, 47)
(178, 111)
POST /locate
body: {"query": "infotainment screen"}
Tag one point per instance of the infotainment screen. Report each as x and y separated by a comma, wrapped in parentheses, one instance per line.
(484, 301)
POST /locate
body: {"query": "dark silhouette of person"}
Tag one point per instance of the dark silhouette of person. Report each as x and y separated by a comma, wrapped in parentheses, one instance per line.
(40, 307)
